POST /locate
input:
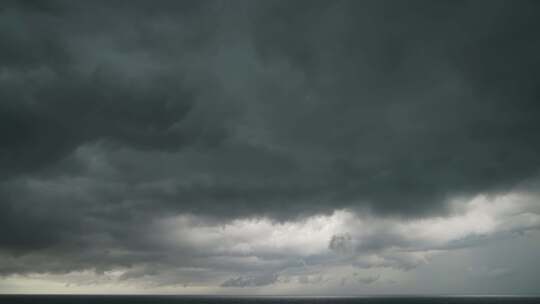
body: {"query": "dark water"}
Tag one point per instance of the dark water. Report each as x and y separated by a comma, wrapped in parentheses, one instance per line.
(77, 299)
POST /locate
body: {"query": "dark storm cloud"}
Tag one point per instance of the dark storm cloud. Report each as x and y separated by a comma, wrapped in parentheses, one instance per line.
(53, 100)
(112, 114)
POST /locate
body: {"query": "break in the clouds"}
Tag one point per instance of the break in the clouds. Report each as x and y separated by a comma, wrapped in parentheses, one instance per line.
(269, 146)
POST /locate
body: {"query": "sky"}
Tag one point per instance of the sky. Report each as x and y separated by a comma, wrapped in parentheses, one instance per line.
(270, 147)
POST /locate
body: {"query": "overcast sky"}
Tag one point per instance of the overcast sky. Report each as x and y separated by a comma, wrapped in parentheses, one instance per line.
(270, 147)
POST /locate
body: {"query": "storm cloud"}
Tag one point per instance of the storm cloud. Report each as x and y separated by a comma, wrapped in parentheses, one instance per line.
(123, 125)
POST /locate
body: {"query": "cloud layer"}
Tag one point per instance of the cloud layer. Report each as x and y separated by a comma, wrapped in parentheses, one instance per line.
(254, 143)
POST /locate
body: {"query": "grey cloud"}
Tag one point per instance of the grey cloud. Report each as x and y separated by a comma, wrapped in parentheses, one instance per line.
(359, 279)
(341, 243)
(251, 281)
(311, 279)
(366, 280)
(491, 272)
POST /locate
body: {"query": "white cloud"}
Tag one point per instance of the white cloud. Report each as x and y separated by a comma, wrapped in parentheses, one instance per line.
(337, 249)
(343, 237)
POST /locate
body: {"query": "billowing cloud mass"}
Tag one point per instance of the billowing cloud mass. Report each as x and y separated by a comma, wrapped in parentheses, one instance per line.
(269, 146)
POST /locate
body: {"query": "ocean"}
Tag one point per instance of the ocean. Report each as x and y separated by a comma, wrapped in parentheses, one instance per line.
(124, 299)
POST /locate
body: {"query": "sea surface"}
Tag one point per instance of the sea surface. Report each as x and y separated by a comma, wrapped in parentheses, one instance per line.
(107, 299)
